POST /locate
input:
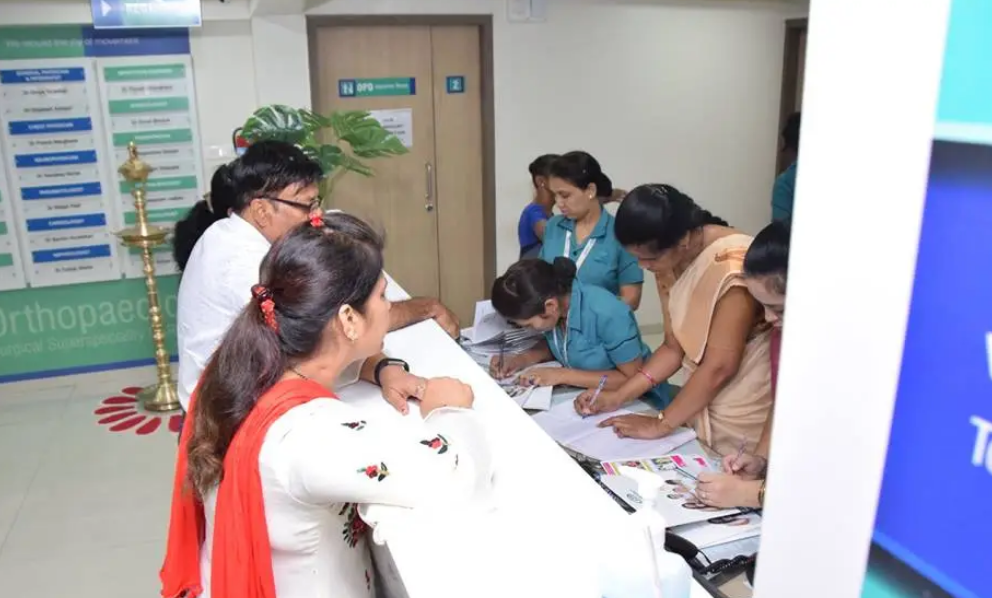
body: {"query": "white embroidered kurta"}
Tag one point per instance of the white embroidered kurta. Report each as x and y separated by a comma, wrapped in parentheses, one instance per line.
(319, 460)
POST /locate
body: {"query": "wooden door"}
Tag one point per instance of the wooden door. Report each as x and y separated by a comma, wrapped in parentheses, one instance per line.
(430, 201)
(394, 199)
(793, 71)
(458, 138)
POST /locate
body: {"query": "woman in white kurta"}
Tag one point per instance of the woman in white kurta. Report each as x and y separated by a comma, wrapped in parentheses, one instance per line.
(272, 466)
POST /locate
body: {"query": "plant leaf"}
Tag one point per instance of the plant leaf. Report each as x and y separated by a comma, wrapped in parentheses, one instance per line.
(367, 138)
(276, 122)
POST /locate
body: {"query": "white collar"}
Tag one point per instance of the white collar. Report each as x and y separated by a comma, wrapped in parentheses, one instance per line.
(243, 228)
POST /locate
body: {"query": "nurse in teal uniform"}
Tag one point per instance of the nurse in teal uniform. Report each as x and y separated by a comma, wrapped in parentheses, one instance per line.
(584, 230)
(587, 329)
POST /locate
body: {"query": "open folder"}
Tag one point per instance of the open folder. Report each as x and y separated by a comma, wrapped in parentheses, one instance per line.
(583, 435)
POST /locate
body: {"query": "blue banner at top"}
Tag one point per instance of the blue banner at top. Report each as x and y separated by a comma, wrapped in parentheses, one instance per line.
(81, 41)
(104, 43)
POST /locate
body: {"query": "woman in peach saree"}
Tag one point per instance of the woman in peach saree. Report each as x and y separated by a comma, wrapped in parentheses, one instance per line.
(713, 327)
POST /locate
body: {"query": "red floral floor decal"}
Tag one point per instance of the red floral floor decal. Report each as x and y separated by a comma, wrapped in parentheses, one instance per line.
(122, 413)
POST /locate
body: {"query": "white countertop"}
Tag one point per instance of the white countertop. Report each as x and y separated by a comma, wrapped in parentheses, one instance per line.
(552, 516)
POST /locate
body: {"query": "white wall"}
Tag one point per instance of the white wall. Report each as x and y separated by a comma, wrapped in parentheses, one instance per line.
(683, 93)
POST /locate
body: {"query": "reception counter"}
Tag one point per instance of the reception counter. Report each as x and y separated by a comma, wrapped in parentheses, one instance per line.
(554, 531)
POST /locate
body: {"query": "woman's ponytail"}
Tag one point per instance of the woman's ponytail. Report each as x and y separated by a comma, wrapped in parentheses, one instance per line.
(604, 186)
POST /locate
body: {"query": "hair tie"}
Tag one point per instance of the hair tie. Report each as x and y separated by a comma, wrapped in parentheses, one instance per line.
(317, 221)
(266, 304)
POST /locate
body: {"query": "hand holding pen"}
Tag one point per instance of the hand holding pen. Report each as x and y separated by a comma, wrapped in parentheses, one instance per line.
(595, 395)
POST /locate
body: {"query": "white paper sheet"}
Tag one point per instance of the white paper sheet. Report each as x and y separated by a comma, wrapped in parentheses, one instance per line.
(674, 514)
(720, 530)
(488, 323)
(583, 435)
(398, 121)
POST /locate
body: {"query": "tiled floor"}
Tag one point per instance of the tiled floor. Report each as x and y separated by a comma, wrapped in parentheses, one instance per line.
(83, 510)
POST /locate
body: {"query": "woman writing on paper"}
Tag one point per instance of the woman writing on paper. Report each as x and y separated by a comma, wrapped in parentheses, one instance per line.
(584, 233)
(742, 484)
(713, 327)
(271, 465)
(587, 329)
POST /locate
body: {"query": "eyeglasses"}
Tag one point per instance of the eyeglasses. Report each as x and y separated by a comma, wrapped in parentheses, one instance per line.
(313, 206)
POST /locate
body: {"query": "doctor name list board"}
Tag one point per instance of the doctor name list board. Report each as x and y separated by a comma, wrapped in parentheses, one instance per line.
(151, 101)
(54, 166)
(11, 274)
(71, 99)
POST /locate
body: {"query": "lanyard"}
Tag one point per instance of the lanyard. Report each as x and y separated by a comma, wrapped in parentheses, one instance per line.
(585, 251)
(562, 347)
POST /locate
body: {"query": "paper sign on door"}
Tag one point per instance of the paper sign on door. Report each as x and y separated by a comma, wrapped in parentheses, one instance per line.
(397, 121)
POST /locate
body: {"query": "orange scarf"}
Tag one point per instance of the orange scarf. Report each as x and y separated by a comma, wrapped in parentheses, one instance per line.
(241, 565)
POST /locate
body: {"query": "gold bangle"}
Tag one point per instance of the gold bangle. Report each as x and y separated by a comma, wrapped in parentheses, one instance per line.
(761, 495)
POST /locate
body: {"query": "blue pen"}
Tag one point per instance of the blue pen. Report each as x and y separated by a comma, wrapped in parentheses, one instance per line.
(599, 389)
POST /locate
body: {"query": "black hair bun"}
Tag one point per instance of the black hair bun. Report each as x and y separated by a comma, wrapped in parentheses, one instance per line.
(565, 271)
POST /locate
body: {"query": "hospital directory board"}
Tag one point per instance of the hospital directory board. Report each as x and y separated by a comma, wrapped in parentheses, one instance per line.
(71, 99)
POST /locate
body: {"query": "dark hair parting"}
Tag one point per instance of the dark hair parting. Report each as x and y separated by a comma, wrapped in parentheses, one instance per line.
(658, 216)
(581, 169)
(521, 293)
(768, 254)
(540, 165)
(266, 168)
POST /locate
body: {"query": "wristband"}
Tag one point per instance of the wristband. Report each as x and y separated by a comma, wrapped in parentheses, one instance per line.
(650, 378)
(384, 363)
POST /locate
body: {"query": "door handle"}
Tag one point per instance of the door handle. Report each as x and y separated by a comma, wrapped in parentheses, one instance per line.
(429, 193)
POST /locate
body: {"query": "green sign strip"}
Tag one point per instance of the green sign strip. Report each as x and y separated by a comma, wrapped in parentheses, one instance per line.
(177, 104)
(6, 260)
(82, 326)
(388, 86)
(154, 137)
(144, 73)
(161, 216)
(173, 183)
(3, 228)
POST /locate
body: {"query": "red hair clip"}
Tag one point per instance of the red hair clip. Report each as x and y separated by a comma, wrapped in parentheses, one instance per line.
(263, 295)
(317, 221)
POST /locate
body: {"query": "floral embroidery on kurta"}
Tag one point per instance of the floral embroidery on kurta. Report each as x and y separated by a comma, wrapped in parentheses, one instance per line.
(357, 425)
(438, 443)
(354, 528)
(375, 472)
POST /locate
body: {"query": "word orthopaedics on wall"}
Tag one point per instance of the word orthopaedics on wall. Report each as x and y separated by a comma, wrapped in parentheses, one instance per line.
(71, 100)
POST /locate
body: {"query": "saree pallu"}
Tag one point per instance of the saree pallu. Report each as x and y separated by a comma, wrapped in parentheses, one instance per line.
(739, 410)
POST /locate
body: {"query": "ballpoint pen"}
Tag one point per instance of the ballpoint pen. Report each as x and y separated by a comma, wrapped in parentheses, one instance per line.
(599, 389)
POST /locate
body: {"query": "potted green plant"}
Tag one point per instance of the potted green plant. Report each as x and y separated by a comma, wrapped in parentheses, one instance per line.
(339, 141)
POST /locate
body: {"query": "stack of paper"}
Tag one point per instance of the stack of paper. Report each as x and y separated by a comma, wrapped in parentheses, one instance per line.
(491, 335)
(583, 435)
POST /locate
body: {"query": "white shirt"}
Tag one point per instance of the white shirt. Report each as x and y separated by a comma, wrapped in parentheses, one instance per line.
(321, 458)
(214, 288)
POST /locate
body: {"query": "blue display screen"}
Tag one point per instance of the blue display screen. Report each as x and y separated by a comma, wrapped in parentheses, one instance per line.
(933, 529)
(933, 513)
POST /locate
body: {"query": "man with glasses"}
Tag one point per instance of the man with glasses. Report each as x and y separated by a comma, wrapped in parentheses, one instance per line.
(221, 243)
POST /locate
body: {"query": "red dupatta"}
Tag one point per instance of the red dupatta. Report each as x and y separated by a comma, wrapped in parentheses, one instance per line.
(241, 565)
